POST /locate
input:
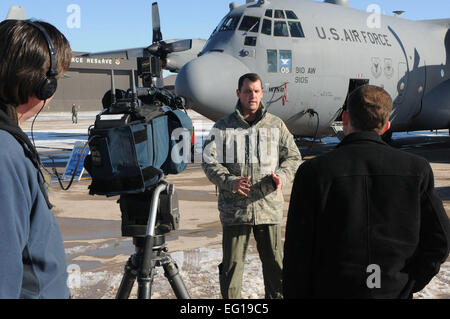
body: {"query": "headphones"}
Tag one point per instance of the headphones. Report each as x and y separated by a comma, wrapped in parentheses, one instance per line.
(47, 86)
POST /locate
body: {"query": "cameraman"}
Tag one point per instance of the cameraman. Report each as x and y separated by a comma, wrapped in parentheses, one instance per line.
(32, 257)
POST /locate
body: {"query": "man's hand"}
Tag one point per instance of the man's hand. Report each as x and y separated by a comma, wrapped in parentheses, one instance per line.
(278, 182)
(241, 186)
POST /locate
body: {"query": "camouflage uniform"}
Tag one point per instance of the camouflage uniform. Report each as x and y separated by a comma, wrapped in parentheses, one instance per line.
(267, 147)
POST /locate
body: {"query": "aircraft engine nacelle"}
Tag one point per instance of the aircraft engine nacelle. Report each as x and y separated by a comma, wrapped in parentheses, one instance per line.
(176, 60)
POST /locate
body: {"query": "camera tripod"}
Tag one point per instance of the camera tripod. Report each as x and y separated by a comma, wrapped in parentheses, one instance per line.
(150, 252)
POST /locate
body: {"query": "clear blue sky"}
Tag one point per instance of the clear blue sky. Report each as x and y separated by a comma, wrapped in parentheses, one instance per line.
(118, 24)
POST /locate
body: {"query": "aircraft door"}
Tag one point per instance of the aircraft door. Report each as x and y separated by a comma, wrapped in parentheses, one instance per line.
(278, 75)
(416, 83)
(402, 82)
(411, 87)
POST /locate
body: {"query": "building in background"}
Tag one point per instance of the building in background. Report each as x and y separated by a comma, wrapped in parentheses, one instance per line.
(88, 79)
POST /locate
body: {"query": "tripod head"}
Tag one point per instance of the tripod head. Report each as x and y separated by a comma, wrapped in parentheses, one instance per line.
(153, 212)
(147, 217)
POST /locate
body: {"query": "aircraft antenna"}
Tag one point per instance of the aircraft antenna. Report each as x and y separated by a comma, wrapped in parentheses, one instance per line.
(134, 99)
(338, 2)
(398, 13)
(113, 88)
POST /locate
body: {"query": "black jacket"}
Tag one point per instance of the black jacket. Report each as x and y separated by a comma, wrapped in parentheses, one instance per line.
(363, 204)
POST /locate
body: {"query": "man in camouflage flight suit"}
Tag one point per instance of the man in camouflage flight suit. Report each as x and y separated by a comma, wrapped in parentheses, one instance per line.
(250, 155)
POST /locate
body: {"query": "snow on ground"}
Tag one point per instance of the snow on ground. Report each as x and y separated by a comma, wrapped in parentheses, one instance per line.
(198, 269)
(439, 287)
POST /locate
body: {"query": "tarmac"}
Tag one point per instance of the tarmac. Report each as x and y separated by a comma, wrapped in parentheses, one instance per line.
(97, 252)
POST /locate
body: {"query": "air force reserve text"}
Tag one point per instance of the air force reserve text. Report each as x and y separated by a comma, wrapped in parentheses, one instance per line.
(94, 60)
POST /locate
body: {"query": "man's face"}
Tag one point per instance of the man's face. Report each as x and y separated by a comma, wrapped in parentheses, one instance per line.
(30, 109)
(250, 96)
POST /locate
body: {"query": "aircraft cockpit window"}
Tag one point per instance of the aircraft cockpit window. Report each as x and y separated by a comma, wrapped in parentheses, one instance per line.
(280, 29)
(230, 23)
(266, 27)
(279, 14)
(291, 15)
(250, 24)
(296, 29)
(219, 25)
(250, 41)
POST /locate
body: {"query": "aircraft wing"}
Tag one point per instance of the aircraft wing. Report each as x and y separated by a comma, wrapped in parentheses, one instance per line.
(120, 54)
(179, 53)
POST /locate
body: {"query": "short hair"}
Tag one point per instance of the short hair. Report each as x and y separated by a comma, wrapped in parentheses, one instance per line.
(369, 108)
(25, 59)
(252, 77)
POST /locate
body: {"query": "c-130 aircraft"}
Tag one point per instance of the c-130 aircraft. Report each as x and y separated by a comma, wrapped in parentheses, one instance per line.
(311, 55)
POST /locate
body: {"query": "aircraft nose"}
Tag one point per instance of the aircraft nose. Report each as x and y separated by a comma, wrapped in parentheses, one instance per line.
(209, 84)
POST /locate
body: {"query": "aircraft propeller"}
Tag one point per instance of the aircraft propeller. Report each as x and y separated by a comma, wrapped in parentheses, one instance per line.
(162, 49)
(159, 48)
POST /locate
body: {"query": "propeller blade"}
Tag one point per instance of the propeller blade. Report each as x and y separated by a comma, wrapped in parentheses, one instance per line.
(179, 46)
(157, 35)
(162, 48)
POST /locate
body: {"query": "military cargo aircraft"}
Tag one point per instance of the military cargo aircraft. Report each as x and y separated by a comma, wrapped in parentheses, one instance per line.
(311, 54)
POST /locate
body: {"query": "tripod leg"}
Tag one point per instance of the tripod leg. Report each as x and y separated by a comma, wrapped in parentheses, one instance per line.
(145, 287)
(145, 278)
(173, 275)
(127, 282)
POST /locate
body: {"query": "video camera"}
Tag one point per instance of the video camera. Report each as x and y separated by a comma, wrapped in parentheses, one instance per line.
(141, 136)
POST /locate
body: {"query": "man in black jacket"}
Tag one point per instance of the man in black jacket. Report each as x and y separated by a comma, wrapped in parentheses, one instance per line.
(364, 220)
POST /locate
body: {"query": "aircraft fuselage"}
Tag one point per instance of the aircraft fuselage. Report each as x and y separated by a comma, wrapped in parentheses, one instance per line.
(313, 67)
